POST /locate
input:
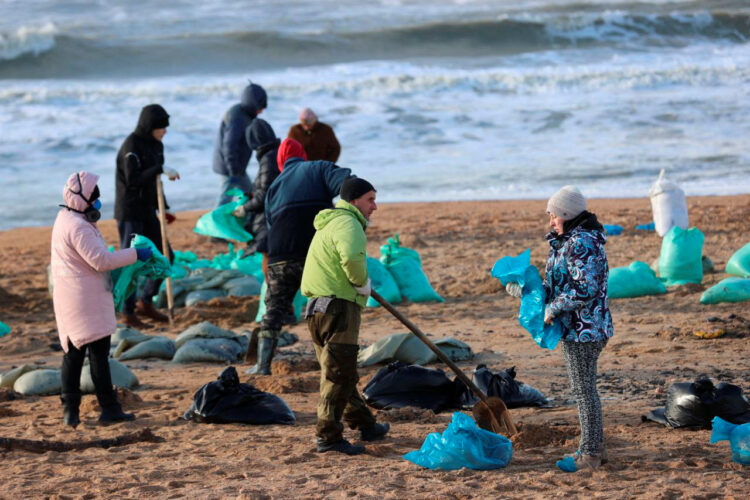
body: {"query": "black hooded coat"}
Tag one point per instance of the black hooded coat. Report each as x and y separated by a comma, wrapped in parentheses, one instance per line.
(261, 138)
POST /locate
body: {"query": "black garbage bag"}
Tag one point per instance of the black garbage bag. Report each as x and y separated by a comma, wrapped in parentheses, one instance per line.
(695, 404)
(398, 385)
(502, 384)
(226, 400)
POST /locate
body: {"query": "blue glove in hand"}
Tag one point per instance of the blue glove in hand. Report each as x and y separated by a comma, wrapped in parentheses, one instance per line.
(144, 253)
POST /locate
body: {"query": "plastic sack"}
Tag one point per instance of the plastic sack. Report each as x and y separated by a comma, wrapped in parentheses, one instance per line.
(405, 266)
(668, 205)
(382, 282)
(197, 296)
(612, 229)
(738, 437)
(463, 444)
(221, 223)
(4, 329)
(695, 404)
(244, 286)
(681, 257)
(503, 384)
(408, 349)
(39, 383)
(635, 280)
(646, 227)
(727, 290)
(8, 379)
(531, 313)
(399, 385)
(122, 376)
(739, 263)
(298, 303)
(226, 400)
(156, 347)
(125, 279)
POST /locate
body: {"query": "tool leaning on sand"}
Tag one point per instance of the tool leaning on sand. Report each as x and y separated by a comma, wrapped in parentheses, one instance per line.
(490, 413)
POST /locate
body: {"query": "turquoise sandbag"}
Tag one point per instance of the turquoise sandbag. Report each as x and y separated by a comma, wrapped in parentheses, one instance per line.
(125, 279)
(727, 290)
(737, 435)
(221, 223)
(4, 329)
(298, 303)
(382, 282)
(680, 260)
(405, 266)
(463, 444)
(531, 313)
(739, 263)
(635, 280)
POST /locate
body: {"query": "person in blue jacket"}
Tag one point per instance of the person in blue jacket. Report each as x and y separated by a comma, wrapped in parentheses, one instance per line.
(231, 151)
(303, 189)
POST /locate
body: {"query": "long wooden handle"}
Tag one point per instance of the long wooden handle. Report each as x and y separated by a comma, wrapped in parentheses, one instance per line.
(421, 336)
(165, 243)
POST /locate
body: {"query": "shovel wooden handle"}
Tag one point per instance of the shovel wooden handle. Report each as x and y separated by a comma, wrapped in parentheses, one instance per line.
(421, 336)
(165, 243)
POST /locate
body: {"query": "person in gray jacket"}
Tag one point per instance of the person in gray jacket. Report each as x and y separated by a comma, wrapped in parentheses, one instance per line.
(231, 151)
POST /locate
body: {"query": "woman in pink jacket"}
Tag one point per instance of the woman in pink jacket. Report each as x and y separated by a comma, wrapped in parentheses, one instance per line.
(82, 297)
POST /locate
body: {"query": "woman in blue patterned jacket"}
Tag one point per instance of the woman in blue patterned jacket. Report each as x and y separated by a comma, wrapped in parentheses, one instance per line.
(576, 290)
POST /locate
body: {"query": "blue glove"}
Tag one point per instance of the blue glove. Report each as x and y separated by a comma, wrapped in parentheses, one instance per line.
(144, 253)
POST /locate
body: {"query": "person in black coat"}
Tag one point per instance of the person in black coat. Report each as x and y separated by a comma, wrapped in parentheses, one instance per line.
(262, 139)
(139, 162)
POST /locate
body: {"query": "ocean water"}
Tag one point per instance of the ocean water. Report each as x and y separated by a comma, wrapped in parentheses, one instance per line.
(431, 99)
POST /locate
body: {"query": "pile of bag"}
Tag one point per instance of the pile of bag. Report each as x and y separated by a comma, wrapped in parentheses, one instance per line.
(32, 380)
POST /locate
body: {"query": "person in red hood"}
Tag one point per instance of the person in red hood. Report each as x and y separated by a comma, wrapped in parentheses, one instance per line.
(289, 148)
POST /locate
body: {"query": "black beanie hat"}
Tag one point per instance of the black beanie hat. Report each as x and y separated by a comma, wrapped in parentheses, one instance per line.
(354, 187)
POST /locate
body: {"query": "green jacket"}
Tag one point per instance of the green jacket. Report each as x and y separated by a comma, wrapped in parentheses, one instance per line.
(337, 259)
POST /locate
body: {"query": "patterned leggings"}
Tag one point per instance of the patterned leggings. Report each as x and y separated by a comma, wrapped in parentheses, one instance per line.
(580, 361)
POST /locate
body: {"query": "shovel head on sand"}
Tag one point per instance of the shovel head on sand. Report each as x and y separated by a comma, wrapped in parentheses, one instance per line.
(490, 413)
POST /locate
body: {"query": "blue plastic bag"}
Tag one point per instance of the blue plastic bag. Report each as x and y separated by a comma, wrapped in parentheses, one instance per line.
(531, 314)
(737, 435)
(4, 329)
(651, 226)
(463, 444)
(221, 222)
(125, 279)
(612, 229)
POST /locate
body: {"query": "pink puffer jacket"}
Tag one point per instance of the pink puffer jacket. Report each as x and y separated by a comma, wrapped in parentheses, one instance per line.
(82, 297)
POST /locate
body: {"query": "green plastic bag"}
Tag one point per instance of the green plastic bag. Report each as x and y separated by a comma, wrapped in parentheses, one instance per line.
(680, 261)
(635, 280)
(125, 279)
(4, 329)
(382, 282)
(221, 223)
(727, 290)
(405, 266)
(299, 303)
(739, 263)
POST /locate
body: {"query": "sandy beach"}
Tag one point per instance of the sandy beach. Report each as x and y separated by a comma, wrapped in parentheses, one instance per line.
(654, 346)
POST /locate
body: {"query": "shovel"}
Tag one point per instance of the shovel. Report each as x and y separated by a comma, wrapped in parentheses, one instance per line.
(488, 412)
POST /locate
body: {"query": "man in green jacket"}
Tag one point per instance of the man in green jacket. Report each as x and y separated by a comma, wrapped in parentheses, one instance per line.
(335, 279)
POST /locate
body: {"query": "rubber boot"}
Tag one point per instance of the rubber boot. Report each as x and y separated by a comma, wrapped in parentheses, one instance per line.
(113, 413)
(341, 446)
(71, 403)
(266, 348)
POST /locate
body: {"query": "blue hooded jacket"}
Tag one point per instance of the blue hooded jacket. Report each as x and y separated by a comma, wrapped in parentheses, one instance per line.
(293, 200)
(231, 151)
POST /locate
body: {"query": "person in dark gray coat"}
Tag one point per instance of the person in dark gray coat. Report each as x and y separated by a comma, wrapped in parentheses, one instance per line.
(231, 151)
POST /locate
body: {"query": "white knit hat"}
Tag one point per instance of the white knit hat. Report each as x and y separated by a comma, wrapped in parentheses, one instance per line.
(567, 203)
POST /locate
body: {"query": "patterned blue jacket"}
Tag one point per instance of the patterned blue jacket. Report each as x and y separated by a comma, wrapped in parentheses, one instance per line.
(576, 284)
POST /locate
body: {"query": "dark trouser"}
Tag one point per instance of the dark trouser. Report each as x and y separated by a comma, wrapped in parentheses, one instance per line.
(580, 361)
(335, 334)
(99, 361)
(151, 229)
(283, 281)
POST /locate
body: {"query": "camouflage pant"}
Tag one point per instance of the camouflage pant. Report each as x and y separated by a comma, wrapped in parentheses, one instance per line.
(283, 281)
(335, 334)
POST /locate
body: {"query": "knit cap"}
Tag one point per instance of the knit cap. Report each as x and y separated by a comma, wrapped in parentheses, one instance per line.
(567, 203)
(354, 187)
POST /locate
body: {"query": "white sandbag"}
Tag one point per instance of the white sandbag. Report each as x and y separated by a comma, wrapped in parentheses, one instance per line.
(155, 347)
(242, 287)
(9, 378)
(122, 376)
(197, 296)
(39, 382)
(222, 350)
(668, 205)
(204, 329)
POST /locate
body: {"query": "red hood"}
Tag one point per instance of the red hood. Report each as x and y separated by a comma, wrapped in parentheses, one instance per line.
(289, 148)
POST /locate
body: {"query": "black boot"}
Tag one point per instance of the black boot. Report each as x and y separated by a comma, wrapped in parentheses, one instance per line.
(113, 413)
(377, 431)
(266, 348)
(341, 446)
(71, 402)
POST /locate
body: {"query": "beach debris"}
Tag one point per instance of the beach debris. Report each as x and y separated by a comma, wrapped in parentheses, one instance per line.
(4, 329)
(737, 435)
(503, 384)
(646, 227)
(612, 229)
(44, 445)
(710, 334)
